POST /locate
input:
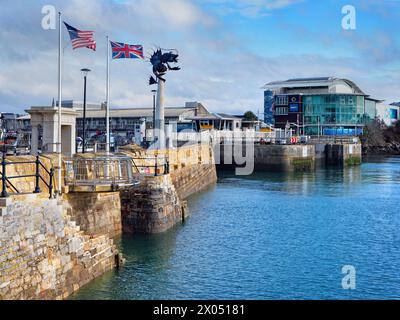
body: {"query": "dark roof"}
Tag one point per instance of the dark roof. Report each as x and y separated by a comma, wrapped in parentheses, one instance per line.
(396, 104)
(215, 116)
(241, 116)
(315, 81)
(226, 116)
(309, 79)
(372, 99)
(136, 112)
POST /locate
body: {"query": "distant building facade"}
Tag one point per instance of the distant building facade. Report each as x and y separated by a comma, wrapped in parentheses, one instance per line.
(133, 124)
(325, 106)
(268, 107)
(13, 122)
(216, 121)
(389, 114)
(9, 122)
(128, 121)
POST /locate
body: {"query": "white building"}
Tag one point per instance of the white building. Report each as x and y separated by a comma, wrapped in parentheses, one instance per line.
(388, 113)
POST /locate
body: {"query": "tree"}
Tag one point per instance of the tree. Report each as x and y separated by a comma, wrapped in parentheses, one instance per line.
(374, 134)
(250, 116)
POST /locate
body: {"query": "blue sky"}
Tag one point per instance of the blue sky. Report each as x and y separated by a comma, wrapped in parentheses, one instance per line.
(228, 49)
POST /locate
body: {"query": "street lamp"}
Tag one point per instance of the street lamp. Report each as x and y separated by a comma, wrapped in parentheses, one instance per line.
(85, 73)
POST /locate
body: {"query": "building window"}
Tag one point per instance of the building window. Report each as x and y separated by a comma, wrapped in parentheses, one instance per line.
(350, 100)
(281, 100)
(281, 111)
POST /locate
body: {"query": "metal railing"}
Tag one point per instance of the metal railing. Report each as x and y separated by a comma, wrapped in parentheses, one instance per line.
(112, 170)
(48, 147)
(217, 136)
(95, 147)
(151, 166)
(6, 180)
(334, 139)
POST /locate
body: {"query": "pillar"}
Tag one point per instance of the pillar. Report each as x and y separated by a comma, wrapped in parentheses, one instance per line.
(35, 139)
(160, 118)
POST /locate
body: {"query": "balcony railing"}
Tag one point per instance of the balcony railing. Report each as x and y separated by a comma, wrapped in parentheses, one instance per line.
(114, 171)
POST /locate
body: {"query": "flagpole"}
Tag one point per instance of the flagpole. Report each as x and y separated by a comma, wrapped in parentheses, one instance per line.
(59, 101)
(108, 98)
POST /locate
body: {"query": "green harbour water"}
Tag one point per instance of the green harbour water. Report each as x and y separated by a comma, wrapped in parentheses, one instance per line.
(272, 236)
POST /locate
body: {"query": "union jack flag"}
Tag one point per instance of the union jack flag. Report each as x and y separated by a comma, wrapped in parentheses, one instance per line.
(81, 39)
(123, 50)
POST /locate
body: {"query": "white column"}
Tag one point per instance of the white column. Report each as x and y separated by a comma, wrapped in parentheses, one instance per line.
(34, 139)
(160, 119)
(169, 137)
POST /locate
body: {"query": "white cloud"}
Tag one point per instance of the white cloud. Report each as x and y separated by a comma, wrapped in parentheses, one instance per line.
(213, 70)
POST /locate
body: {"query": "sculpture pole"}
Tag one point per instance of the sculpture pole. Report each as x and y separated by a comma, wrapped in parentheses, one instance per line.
(160, 121)
(161, 64)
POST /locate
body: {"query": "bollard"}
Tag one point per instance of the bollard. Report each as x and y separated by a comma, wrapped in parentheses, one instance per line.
(51, 183)
(155, 167)
(167, 166)
(37, 176)
(4, 193)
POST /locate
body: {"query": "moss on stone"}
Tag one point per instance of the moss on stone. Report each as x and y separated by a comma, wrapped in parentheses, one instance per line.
(353, 161)
(302, 164)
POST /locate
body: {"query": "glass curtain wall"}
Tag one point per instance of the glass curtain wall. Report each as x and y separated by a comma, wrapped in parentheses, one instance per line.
(331, 113)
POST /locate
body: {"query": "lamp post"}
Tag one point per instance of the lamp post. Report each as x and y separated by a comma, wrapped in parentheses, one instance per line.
(85, 73)
(154, 107)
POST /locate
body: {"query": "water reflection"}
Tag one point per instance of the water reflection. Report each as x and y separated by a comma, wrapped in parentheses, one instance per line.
(331, 181)
(272, 236)
(148, 258)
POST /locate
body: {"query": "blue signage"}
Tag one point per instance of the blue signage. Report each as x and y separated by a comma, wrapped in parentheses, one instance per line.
(393, 114)
(293, 107)
(294, 103)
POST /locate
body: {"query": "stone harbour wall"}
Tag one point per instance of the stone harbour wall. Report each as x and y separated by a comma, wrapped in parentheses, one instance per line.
(152, 207)
(192, 169)
(194, 178)
(283, 158)
(43, 253)
(343, 154)
(95, 212)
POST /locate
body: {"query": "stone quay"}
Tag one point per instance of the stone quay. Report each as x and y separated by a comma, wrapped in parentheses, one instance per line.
(49, 248)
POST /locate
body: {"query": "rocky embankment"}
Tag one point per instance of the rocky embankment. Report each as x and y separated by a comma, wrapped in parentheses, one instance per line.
(391, 148)
(380, 139)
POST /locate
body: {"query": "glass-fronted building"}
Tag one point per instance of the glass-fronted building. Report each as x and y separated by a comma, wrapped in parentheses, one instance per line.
(334, 114)
(321, 106)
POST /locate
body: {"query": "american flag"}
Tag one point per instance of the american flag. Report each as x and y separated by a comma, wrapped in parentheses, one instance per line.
(123, 50)
(81, 39)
